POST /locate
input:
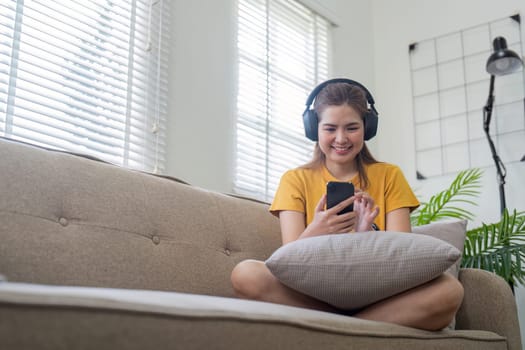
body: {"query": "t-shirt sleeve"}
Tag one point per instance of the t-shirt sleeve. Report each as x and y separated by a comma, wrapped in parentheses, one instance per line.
(289, 195)
(399, 194)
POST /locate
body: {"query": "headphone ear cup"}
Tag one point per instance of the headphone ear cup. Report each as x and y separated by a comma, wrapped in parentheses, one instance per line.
(371, 121)
(311, 124)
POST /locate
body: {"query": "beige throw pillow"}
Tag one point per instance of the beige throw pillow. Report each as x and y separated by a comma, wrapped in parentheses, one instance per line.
(351, 271)
(452, 232)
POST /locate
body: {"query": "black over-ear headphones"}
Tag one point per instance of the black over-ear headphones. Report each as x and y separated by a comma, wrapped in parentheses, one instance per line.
(311, 120)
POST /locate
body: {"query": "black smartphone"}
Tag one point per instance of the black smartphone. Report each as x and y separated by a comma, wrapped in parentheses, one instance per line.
(337, 192)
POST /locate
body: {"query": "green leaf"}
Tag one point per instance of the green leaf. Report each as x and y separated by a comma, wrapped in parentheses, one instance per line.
(498, 247)
(465, 185)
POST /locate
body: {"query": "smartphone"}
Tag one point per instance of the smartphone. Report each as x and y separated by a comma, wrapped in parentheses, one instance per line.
(337, 192)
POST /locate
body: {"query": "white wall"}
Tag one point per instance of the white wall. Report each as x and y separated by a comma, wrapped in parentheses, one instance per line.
(201, 108)
(353, 40)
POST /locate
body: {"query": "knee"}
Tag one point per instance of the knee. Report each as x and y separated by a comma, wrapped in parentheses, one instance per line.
(447, 301)
(452, 293)
(248, 279)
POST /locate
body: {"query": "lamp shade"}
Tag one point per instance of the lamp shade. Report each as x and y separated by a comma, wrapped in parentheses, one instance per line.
(503, 61)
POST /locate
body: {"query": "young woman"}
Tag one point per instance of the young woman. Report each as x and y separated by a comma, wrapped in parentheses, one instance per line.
(384, 201)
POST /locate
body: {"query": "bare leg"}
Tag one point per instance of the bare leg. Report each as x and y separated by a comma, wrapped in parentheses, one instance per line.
(431, 306)
(251, 279)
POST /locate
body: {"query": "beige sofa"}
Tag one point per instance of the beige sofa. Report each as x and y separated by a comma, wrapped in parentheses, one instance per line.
(99, 257)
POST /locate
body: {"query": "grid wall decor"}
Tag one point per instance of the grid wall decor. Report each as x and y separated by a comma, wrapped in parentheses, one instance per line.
(450, 87)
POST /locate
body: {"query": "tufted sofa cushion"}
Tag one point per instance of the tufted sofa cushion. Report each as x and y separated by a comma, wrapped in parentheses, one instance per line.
(77, 221)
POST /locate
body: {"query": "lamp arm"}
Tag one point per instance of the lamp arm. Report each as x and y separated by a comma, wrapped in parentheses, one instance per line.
(487, 110)
(500, 167)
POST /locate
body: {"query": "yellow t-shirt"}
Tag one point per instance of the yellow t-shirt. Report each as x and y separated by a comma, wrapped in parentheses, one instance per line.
(301, 189)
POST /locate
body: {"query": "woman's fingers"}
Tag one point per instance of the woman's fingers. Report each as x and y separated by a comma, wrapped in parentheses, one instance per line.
(345, 226)
(341, 223)
(341, 205)
(364, 199)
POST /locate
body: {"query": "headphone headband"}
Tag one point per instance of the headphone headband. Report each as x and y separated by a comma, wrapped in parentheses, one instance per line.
(321, 86)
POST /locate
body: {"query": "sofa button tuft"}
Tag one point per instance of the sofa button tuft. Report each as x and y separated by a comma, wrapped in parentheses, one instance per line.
(63, 221)
(227, 252)
(155, 239)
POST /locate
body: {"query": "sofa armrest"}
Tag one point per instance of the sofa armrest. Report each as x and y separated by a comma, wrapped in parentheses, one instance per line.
(489, 305)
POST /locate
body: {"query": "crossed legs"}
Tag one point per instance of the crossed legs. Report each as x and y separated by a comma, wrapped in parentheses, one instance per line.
(430, 306)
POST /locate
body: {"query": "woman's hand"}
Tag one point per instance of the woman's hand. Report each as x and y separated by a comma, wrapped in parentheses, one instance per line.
(328, 221)
(366, 211)
(324, 222)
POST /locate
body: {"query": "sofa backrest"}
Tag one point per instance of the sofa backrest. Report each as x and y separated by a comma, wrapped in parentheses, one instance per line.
(69, 220)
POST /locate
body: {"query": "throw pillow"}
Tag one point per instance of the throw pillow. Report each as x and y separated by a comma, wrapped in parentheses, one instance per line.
(452, 232)
(351, 271)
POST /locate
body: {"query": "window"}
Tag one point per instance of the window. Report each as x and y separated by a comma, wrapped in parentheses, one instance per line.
(86, 76)
(283, 53)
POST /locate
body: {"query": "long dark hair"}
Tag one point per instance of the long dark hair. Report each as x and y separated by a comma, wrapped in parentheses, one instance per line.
(338, 94)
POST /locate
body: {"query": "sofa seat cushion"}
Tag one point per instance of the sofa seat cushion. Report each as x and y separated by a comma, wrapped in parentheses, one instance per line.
(111, 318)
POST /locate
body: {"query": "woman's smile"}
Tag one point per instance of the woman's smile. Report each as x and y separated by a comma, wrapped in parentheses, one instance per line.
(340, 150)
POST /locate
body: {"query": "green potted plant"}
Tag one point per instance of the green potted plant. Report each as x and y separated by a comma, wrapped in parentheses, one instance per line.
(497, 247)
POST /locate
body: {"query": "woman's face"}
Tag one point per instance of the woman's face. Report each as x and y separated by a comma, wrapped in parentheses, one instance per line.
(341, 134)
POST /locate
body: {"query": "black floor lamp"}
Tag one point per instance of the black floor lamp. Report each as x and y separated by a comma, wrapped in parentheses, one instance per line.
(502, 61)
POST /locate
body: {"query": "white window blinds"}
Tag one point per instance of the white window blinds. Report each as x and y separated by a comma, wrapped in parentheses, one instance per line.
(283, 50)
(86, 76)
